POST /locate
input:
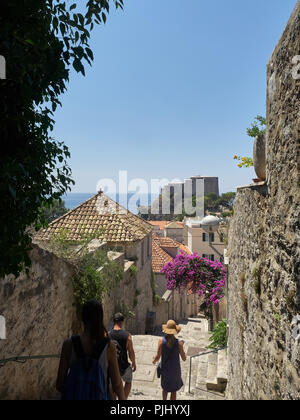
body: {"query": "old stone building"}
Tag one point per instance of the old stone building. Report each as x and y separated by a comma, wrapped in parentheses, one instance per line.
(123, 232)
(264, 247)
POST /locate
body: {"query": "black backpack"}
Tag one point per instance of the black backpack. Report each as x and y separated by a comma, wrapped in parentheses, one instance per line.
(123, 365)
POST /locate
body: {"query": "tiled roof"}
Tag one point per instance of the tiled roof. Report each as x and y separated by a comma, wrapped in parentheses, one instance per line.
(185, 249)
(160, 256)
(161, 224)
(166, 224)
(171, 243)
(174, 225)
(98, 214)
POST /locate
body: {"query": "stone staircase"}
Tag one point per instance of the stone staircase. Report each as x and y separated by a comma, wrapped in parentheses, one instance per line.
(208, 377)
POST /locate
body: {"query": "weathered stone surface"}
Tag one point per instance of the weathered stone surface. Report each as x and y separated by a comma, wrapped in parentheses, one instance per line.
(264, 280)
(39, 317)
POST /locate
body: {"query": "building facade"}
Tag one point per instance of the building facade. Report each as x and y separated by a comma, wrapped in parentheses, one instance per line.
(206, 245)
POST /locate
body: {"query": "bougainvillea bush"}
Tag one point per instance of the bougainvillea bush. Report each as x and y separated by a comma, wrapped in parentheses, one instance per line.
(198, 275)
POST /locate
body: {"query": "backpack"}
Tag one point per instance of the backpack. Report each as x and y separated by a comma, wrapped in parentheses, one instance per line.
(86, 380)
(123, 365)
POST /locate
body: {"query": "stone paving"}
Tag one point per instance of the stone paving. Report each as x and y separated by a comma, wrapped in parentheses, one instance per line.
(146, 385)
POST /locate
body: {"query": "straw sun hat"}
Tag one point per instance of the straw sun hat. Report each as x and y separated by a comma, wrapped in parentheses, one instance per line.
(171, 328)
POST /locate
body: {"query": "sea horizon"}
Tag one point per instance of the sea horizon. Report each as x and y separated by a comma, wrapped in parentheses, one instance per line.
(73, 200)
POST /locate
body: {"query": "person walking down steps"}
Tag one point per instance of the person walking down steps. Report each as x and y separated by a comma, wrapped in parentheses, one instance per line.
(170, 350)
(89, 362)
(124, 343)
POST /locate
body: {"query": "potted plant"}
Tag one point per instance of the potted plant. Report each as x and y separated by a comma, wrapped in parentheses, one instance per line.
(258, 132)
(259, 156)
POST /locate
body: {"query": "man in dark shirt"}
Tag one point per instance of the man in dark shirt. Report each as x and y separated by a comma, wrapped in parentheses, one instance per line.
(124, 339)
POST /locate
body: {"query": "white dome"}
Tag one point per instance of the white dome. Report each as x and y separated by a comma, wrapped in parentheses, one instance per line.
(210, 223)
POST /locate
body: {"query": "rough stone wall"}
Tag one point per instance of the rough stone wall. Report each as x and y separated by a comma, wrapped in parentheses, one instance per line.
(39, 317)
(142, 253)
(123, 298)
(220, 311)
(264, 248)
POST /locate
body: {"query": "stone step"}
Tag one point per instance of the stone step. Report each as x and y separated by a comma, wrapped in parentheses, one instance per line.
(222, 376)
(146, 385)
(217, 371)
(211, 378)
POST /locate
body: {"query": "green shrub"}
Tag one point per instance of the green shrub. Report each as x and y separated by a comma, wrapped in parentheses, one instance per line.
(219, 335)
(95, 277)
(133, 270)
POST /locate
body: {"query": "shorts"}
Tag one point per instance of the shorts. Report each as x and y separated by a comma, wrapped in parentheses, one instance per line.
(127, 377)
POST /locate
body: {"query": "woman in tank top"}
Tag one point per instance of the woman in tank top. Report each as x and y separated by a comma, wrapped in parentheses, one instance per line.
(94, 333)
(170, 350)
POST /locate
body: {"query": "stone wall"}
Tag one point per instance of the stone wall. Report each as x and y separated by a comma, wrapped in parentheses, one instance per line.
(39, 317)
(220, 311)
(141, 253)
(264, 251)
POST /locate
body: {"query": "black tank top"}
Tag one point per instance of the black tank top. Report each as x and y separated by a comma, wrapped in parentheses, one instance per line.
(121, 337)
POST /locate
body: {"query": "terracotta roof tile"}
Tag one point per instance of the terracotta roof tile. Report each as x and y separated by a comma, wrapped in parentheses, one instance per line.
(98, 213)
(161, 224)
(160, 256)
(174, 225)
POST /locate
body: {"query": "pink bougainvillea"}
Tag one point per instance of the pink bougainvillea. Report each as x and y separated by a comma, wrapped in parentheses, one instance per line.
(197, 275)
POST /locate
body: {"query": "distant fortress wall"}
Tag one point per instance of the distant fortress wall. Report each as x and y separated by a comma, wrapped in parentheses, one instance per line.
(211, 185)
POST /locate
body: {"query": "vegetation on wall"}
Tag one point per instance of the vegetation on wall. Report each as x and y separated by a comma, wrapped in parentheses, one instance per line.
(95, 277)
(156, 299)
(218, 337)
(125, 310)
(41, 41)
(257, 128)
(95, 274)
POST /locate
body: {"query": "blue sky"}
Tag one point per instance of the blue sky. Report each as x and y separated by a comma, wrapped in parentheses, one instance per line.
(171, 91)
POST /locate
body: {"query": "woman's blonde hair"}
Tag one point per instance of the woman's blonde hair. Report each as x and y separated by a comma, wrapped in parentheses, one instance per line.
(170, 340)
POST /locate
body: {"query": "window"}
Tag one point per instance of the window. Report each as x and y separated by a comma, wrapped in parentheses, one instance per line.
(212, 257)
(204, 237)
(211, 237)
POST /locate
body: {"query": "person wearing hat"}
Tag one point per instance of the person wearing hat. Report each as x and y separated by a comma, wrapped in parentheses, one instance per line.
(169, 349)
